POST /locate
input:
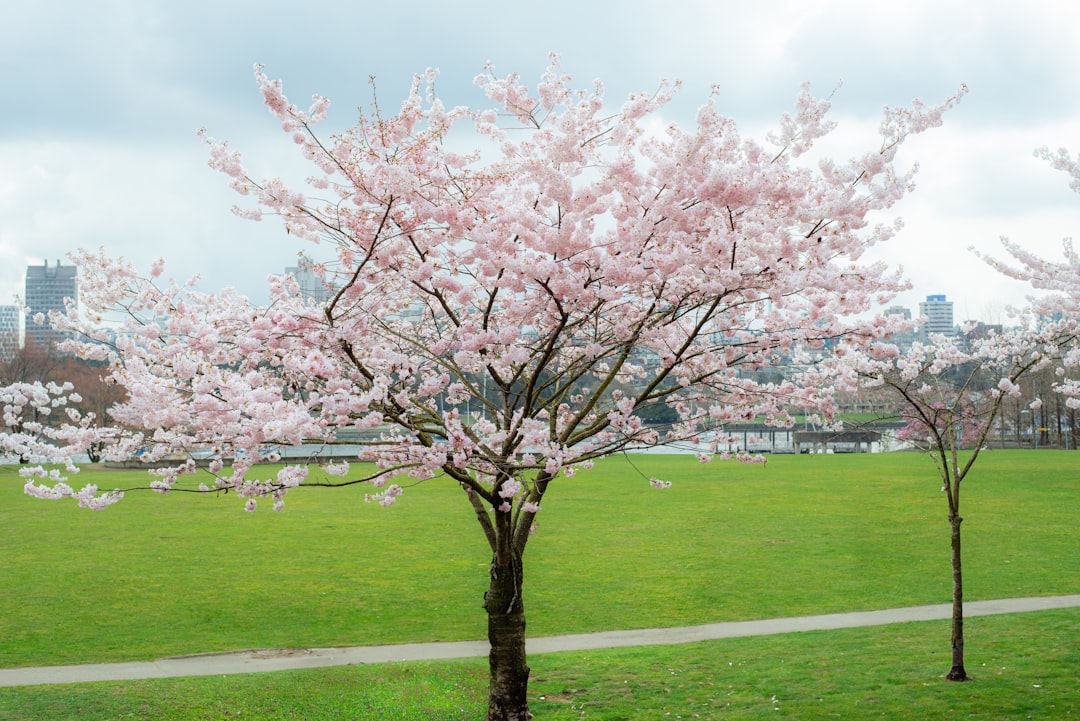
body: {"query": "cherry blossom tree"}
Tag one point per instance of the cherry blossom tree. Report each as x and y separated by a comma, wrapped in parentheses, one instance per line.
(40, 408)
(949, 393)
(1057, 281)
(501, 316)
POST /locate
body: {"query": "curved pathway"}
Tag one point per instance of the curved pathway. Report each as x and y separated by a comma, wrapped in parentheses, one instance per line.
(215, 664)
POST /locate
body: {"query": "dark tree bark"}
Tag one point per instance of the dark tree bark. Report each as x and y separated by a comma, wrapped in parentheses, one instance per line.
(957, 672)
(507, 533)
(509, 672)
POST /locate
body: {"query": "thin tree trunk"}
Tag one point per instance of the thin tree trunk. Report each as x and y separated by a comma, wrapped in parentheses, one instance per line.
(507, 700)
(1071, 429)
(957, 672)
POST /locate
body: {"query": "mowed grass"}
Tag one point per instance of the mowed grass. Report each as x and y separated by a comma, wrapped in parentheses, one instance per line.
(157, 576)
(1024, 666)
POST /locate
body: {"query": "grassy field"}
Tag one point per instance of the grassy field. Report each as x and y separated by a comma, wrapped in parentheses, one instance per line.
(157, 576)
(1024, 666)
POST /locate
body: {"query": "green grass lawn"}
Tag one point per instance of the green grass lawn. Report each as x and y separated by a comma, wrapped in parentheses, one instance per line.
(1023, 666)
(154, 576)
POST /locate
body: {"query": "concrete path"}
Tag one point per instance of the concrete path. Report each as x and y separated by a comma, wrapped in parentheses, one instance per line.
(214, 664)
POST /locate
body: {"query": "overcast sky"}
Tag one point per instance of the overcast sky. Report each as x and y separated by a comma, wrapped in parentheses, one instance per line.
(102, 102)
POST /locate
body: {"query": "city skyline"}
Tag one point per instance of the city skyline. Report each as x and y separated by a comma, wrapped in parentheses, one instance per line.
(45, 290)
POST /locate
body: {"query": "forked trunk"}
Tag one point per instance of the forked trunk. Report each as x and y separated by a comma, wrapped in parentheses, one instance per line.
(957, 672)
(507, 700)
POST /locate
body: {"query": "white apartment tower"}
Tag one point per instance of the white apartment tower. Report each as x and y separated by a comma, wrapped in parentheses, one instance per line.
(939, 316)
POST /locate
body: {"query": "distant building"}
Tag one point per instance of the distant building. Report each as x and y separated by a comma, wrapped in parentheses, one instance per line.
(411, 314)
(46, 290)
(313, 289)
(980, 331)
(10, 325)
(903, 339)
(939, 316)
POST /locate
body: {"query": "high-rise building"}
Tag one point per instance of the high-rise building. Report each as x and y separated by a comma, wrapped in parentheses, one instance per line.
(313, 289)
(10, 315)
(939, 316)
(46, 290)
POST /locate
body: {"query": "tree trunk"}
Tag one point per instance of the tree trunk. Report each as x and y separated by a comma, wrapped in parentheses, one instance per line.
(507, 700)
(957, 672)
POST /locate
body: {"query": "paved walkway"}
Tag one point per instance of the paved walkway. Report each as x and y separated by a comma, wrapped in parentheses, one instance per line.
(214, 664)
